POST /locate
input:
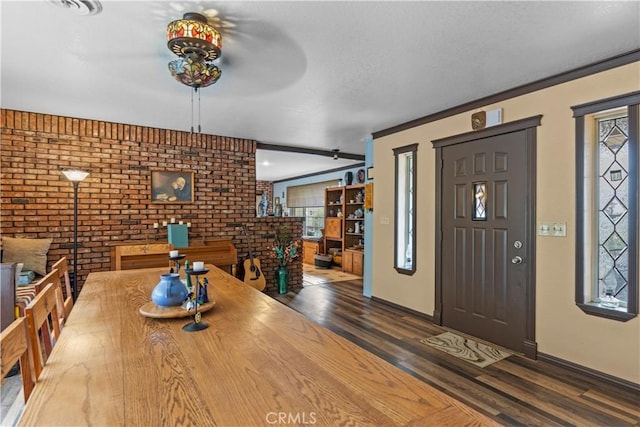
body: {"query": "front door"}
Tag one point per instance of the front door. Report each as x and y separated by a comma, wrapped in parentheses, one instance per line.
(486, 248)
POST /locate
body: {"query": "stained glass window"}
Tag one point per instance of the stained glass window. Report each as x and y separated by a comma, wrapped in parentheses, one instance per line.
(480, 201)
(613, 191)
(607, 205)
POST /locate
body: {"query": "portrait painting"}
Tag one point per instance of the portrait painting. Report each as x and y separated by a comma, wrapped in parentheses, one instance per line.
(172, 187)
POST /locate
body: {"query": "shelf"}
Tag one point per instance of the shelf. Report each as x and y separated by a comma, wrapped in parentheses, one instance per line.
(349, 200)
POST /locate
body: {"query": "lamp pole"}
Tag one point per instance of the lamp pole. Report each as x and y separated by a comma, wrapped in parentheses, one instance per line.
(74, 288)
(75, 176)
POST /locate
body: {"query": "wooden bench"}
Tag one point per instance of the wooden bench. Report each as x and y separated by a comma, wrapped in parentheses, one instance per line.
(220, 252)
(140, 255)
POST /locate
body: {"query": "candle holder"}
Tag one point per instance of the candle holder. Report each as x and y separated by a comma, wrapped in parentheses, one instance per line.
(176, 261)
(197, 324)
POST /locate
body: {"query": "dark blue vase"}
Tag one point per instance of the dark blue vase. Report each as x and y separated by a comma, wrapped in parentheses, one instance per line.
(348, 178)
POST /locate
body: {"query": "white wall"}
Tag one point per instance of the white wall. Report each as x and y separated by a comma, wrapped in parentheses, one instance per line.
(562, 329)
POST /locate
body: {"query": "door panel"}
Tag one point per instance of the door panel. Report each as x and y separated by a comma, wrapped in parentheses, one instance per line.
(483, 213)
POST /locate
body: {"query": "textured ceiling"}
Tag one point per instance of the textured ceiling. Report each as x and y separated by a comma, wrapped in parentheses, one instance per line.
(320, 75)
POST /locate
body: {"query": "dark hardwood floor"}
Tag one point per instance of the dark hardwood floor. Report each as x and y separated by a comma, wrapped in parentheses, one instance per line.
(513, 391)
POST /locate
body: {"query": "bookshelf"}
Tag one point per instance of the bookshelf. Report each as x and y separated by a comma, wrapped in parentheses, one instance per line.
(344, 225)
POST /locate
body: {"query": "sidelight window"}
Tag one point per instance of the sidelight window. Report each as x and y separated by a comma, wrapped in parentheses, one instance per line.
(405, 209)
(607, 207)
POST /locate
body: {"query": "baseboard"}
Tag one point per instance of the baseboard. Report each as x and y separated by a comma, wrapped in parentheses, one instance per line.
(404, 309)
(600, 376)
(531, 349)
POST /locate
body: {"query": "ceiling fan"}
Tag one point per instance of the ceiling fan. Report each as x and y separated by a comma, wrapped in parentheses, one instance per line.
(81, 7)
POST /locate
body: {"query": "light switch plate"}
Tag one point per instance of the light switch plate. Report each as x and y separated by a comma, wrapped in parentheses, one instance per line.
(384, 220)
(552, 229)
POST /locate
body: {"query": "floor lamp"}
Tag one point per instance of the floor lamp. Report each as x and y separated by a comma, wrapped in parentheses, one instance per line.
(75, 176)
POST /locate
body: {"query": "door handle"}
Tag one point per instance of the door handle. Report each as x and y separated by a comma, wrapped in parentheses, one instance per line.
(517, 260)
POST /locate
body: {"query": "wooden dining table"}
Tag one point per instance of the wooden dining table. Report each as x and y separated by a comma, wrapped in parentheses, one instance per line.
(259, 363)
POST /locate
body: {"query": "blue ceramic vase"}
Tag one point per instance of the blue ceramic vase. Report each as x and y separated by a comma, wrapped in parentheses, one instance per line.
(170, 291)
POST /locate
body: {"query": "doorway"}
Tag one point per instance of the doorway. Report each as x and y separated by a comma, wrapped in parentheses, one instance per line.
(485, 267)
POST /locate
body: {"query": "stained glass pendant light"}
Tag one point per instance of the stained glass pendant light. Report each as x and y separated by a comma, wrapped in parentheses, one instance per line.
(192, 34)
(194, 72)
(197, 44)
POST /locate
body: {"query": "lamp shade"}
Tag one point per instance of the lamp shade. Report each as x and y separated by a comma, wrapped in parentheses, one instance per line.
(193, 34)
(75, 175)
(195, 72)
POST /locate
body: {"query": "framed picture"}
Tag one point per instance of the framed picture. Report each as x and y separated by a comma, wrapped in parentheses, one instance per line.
(171, 187)
(370, 172)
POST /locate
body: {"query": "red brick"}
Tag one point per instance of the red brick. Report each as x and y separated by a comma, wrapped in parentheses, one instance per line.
(114, 203)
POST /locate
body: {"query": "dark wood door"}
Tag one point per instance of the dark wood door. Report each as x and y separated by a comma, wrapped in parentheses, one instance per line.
(484, 231)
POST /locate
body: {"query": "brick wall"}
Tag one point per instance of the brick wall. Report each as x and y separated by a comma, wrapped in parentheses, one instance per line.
(114, 201)
(261, 234)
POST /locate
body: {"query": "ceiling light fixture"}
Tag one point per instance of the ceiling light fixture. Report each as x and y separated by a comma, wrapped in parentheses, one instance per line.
(197, 44)
(192, 34)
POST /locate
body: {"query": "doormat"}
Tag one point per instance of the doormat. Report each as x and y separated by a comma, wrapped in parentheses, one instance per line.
(467, 349)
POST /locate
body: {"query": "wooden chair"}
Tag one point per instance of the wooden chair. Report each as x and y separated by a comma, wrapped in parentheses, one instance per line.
(140, 252)
(44, 324)
(15, 346)
(54, 277)
(63, 272)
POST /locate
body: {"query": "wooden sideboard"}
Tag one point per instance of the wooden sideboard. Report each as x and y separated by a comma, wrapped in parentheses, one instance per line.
(220, 252)
(310, 248)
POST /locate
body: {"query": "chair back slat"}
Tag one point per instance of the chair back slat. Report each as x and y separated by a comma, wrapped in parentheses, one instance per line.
(14, 347)
(54, 277)
(44, 324)
(62, 266)
(141, 251)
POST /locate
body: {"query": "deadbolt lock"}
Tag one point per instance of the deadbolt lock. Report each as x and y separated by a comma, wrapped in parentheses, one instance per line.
(517, 260)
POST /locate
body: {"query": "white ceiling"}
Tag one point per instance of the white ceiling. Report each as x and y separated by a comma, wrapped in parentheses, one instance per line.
(316, 75)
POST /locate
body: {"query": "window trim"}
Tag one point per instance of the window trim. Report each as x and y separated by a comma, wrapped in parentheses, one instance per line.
(631, 101)
(413, 148)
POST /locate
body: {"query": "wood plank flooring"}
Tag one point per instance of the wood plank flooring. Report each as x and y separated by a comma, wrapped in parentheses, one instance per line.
(514, 391)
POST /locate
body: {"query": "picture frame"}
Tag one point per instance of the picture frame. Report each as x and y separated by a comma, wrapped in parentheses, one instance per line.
(370, 173)
(170, 186)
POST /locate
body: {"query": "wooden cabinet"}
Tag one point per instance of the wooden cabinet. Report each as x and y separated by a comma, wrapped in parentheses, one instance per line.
(344, 225)
(309, 249)
(333, 228)
(220, 252)
(353, 262)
